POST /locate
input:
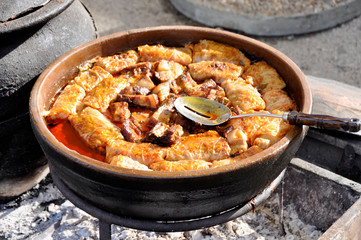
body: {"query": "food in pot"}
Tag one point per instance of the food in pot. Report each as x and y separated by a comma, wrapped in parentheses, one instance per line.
(120, 109)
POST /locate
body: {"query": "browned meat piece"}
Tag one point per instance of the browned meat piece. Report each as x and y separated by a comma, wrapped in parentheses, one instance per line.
(145, 153)
(177, 118)
(163, 113)
(149, 101)
(201, 90)
(90, 78)
(207, 50)
(159, 52)
(218, 95)
(116, 63)
(135, 90)
(126, 162)
(189, 126)
(264, 76)
(186, 82)
(162, 90)
(164, 135)
(156, 132)
(204, 146)
(219, 71)
(119, 111)
(174, 87)
(130, 131)
(278, 99)
(121, 114)
(140, 75)
(94, 128)
(181, 165)
(105, 92)
(182, 83)
(142, 68)
(172, 135)
(66, 104)
(243, 95)
(208, 89)
(143, 82)
(168, 70)
(236, 137)
(141, 120)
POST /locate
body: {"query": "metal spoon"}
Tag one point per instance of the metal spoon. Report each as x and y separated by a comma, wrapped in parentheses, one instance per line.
(211, 113)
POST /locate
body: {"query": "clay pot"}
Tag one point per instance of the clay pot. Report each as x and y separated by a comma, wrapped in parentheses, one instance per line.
(31, 37)
(165, 195)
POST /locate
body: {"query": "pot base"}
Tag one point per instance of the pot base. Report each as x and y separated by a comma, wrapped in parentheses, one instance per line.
(107, 218)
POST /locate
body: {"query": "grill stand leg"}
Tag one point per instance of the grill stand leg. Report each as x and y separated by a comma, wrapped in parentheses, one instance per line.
(105, 232)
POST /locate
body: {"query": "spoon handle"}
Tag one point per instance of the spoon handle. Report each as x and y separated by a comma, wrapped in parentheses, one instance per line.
(324, 121)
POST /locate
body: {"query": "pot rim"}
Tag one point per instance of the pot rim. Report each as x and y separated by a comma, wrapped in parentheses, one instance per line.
(39, 123)
(42, 15)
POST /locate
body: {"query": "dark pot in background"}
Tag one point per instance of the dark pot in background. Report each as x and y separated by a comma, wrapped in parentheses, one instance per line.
(31, 36)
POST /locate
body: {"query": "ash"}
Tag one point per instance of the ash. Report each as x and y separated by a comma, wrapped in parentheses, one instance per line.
(43, 213)
(263, 8)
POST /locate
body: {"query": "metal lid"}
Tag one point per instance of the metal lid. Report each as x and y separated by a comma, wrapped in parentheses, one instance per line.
(19, 15)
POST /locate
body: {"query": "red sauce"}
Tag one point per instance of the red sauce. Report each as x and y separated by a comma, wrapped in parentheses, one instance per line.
(65, 134)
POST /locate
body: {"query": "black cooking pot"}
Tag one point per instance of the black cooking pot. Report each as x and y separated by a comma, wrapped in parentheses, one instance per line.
(165, 195)
(32, 35)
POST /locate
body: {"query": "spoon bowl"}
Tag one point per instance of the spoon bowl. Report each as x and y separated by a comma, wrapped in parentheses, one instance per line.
(212, 113)
(203, 110)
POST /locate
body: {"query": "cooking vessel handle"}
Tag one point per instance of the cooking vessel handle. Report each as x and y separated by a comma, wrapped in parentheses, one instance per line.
(324, 121)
